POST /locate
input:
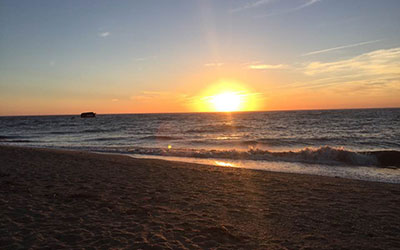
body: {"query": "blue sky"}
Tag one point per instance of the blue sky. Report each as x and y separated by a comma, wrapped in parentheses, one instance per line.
(60, 56)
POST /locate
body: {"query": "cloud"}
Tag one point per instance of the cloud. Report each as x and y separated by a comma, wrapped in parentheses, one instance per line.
(267, 66)
(251, 5)
(375, 73)
(265, 2)
(149, 95)
(308, 3)
(378, 62)
(213, 64)
(285, 11)
(340, 47)
(115, 100)
(104, 34)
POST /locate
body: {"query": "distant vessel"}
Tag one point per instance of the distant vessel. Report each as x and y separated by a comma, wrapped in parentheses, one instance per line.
(88, 115)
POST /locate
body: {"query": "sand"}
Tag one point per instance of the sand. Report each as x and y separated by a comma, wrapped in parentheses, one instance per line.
(62, 199)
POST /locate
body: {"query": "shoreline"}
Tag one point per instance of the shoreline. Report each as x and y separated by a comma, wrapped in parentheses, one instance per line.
(63, 198)
(361, 173)
(350, 172)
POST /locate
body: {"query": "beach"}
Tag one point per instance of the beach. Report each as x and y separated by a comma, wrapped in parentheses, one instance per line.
(70, 199)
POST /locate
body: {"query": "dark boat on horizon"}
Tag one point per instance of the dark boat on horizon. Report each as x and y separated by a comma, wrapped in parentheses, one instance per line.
(88, 115)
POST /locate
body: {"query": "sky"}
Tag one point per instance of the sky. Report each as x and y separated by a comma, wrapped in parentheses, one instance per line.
(154, 56)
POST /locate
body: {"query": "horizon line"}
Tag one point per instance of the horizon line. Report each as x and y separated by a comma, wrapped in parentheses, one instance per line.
(212, 112)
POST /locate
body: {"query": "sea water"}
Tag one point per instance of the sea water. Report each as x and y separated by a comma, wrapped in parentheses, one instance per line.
(344, 143)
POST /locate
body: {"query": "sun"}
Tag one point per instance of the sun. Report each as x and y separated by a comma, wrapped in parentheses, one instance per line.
(226, 96)
(227, 101)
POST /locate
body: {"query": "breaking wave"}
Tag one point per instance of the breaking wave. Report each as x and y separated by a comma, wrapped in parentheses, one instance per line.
(323, 155)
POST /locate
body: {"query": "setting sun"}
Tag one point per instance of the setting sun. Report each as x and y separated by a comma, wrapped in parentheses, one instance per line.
(227, 102)
(226, 96)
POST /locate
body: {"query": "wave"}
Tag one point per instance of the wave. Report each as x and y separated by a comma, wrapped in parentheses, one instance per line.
(323, 155)
(254, 142)
(107, 139)
(8, 137)
(271, 142)
(217, 128)
(160, 137)
(20, 124)
(96, 130)
(18, 141)
(387, 158)
(62, 132)
(15, 138)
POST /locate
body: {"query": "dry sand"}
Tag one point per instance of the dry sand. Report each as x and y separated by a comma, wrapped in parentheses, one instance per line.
(61, 199)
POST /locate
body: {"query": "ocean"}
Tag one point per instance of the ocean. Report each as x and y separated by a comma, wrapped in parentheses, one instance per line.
(359, 144)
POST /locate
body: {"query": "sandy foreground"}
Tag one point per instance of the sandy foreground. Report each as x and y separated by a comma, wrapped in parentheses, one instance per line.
(62, 199)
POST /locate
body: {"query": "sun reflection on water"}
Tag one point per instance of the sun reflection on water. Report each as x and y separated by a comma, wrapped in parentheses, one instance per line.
(224, 164)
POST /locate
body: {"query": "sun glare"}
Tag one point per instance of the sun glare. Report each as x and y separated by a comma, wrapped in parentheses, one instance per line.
(226, 96)
(224, 164)
(227, 102)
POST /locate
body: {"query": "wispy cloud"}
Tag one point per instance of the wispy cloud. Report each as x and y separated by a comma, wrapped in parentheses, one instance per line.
(308, 3)
(160, 96)
(378, 62)
(267, 66)
(290, 10)
(150, 95)
(213, 64)
(104, 34)
(251, 5)
(340, 48)
(266, 2)
(372, 73)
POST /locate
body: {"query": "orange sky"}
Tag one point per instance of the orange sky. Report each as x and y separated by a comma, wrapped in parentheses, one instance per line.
(174, 56)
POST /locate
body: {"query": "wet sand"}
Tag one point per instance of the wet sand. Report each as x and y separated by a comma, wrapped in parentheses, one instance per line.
(63, 199)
